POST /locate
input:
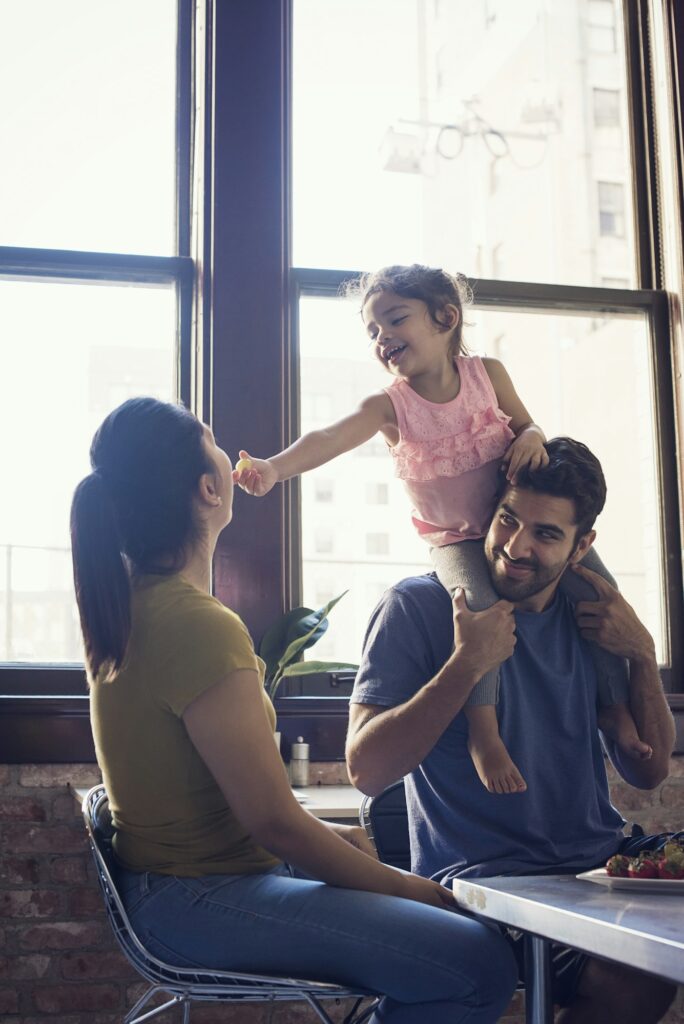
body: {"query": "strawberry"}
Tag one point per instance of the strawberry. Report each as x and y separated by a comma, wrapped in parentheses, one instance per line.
(617, 866)
(644, 866)
(671, 867)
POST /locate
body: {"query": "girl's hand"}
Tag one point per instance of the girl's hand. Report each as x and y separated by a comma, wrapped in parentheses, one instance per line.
(258, 478)
(424, 890)
(527, 450)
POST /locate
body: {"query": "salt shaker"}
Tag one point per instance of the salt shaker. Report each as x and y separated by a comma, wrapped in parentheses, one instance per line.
(299, 763)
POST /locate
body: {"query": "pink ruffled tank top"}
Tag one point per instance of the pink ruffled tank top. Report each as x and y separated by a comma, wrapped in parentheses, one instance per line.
(449, 455)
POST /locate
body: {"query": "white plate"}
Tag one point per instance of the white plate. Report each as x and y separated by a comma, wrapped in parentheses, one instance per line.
(652, 885)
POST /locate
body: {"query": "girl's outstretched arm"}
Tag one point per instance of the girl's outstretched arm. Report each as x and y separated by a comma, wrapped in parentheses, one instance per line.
(317, 447)
(528, 447)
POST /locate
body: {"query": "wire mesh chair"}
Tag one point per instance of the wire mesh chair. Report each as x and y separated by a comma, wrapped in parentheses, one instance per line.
(385, 819)
(183, 985)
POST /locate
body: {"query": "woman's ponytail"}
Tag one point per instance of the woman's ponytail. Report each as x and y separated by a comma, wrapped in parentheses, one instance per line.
(101, 578)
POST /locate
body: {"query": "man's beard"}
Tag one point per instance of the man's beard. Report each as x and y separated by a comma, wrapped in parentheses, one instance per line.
(518, 590)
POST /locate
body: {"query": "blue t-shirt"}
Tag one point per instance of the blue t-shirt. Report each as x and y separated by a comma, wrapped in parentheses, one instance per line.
(547, 719)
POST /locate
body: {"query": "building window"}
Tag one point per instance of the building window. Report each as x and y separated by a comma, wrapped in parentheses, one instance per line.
(324, 491)
(377, 544)
(606, 105)
(377, 493)
(611, 202)
(601, 34)
(324, 543)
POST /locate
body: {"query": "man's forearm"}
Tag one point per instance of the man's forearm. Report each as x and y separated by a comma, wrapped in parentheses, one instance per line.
(390, 744)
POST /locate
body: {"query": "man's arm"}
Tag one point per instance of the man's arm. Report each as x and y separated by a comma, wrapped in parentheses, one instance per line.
(614, 625)
(384, 744)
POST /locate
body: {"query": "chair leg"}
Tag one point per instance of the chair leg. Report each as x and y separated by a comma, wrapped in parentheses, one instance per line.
(135, 1017)
(318, 1009)
(186, 1010)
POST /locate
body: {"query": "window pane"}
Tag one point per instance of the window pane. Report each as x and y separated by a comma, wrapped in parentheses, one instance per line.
(87, 118)
(69, 353)
(560, 365)
(462, 138)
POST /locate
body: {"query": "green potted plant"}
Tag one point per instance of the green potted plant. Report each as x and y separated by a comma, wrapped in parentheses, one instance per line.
(283, 644)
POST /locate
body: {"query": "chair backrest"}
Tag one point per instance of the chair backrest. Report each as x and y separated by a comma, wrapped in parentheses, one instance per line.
(385, 820)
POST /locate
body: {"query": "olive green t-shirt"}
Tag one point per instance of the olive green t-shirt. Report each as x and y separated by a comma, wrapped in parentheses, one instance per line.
(169, 814)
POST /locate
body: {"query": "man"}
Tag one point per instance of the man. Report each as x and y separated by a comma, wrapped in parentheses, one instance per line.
(406, 718)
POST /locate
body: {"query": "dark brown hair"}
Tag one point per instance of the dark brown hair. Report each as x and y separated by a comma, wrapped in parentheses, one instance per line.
(572, 472)
(133, 513)
(433, 286)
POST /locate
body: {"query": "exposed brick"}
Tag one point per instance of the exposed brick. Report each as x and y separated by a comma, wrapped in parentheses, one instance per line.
(55, 775)
(627, 798)
(9, 1000)
(62, 935)
(254, 1013)
(85, 903)
(30, 903)
(19, 870)
(22, 968)
(69, 869)
(21, 808)
(44, 839)
(65, 808)
(328, 773)
(677, 766)
(70, 998)
(673, 793)
(5, 775)
(74, 966)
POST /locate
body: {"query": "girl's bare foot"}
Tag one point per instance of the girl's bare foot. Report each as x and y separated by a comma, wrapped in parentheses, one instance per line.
(615, 720)
(497, 771)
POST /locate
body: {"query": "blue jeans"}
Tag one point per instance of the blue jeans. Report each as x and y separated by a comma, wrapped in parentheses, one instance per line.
(432, 966)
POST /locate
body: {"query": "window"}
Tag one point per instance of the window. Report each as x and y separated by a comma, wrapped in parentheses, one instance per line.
(377, 494)
(487, 168)
(85, 321)
(377, 544)
(601, 35)
(324, 491)
(611, 202)
(606, 104)
(463, 113)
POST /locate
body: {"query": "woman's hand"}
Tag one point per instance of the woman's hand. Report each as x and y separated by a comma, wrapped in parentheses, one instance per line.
(424, 890)
(258, 478)
(527, 450)
(356, 836)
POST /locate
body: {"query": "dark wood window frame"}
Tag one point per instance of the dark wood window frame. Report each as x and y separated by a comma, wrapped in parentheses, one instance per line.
(238, 332)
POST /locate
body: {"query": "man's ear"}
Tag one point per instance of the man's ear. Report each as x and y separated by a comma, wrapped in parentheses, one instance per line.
(582, 546)
(207, 490)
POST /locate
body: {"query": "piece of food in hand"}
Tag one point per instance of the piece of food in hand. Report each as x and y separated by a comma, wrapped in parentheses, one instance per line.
(644, 866)
(618, 866)
(243, 464)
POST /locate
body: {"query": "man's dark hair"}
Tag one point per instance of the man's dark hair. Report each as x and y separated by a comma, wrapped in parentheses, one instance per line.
(572, 472)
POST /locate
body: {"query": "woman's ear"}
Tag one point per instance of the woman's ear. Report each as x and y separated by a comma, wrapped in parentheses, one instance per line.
(208, 491)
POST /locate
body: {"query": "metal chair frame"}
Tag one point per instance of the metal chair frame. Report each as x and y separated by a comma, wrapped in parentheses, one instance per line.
(184, 985)
(385, 820)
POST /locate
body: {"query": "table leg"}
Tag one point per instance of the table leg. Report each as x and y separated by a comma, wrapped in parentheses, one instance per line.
(538, 1001)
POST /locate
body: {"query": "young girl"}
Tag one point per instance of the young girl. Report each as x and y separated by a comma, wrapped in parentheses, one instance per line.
(452, 422)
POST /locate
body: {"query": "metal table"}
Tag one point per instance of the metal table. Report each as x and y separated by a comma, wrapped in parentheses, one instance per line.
(638, 929)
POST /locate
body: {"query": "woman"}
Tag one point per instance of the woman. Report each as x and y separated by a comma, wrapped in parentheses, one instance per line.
(204, 816)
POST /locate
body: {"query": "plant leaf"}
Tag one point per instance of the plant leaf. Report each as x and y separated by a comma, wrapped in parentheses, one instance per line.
(308, 639)
(309, 668)
(278, 636)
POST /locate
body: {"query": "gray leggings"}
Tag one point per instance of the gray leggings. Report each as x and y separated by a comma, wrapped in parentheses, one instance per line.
(464, 565)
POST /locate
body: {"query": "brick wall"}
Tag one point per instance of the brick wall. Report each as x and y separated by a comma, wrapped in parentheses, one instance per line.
(58, 960)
